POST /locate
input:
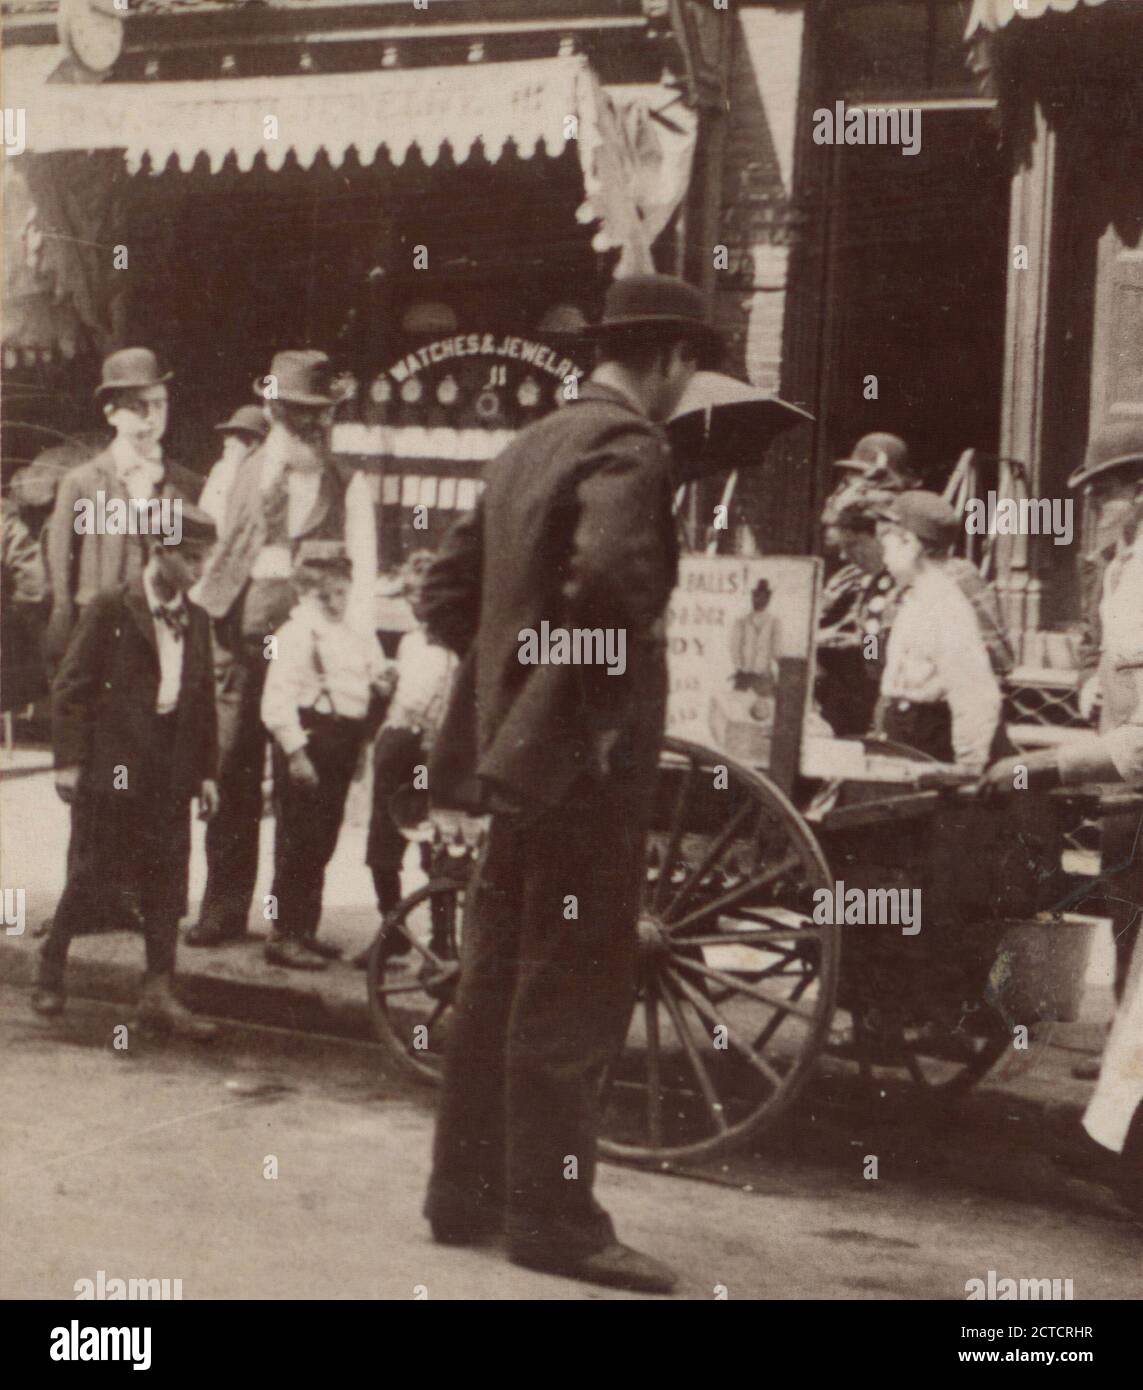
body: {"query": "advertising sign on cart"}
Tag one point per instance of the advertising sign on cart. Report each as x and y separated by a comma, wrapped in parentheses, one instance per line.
(740, 634)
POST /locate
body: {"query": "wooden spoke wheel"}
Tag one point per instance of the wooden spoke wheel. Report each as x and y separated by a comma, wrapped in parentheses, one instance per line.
(735, 982)
(413, 971)
(942, 1062)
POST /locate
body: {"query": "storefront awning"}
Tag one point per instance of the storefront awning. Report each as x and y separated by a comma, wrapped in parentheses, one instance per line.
(635, 160)
(991, 15)
(273, 116)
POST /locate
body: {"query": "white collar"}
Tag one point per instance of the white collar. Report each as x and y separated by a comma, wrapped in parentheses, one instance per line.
(128, 461)
(283, 450)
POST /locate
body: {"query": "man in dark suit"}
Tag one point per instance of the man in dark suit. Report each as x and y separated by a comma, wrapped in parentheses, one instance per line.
(575, 530)
(81, 564)
(135, 735)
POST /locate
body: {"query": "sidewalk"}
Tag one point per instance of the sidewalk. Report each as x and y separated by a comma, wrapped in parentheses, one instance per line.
(229, 982)
(236, 982)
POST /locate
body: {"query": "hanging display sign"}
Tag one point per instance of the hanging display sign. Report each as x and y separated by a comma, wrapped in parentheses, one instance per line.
(526, 351)
(481, 380)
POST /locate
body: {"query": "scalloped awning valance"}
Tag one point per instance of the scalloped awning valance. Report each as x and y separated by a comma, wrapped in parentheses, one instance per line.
(991, 15)
(526, 102)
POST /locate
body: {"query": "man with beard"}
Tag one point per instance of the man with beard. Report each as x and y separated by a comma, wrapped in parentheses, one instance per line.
(575, 530)
(288, 490)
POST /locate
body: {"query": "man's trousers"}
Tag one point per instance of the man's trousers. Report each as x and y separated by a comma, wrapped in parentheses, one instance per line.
(396, 756)
(546, 992)
(1121, 857)
(309, 821)
(122, 849)
(232, 836)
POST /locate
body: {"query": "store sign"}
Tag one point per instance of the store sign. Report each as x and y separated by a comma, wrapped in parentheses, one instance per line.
(526, 351)
(738, 630)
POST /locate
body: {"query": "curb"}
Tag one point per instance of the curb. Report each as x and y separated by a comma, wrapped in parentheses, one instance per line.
(220, 997)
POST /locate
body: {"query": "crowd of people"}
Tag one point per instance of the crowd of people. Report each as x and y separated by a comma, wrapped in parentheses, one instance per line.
(178, 663)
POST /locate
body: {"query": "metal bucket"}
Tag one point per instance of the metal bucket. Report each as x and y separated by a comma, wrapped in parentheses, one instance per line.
(1040, 966)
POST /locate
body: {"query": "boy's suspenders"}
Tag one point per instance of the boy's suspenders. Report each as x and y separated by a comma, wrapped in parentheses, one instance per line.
(319, 667)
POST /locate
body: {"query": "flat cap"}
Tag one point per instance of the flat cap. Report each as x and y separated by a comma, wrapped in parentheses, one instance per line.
(926, 514)
(327, 557)
(198, 527)
(247, 419)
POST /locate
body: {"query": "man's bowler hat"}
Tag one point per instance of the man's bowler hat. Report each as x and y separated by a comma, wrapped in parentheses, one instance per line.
(926, 514)
(299, 377)
(129, 369)
(879, 457)
(762, 587)
(658, 302)
(247, 419)
(1114, 446)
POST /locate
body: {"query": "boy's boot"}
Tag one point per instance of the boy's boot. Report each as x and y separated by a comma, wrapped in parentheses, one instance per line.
(48, 994)
(161, 1012)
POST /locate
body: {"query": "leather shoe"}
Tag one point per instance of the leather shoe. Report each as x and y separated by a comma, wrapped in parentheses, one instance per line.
(396, 945)
(1087, 1071)
(481, 1230)
(293, 955)
(47, 1002)
(617, 1266)
(202, 935)
(1081, 1157)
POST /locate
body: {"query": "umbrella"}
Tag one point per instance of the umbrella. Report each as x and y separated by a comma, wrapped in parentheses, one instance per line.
(722, 423)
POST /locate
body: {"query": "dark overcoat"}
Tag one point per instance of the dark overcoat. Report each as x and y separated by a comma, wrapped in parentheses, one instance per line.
(103, 702)
(574, 528)
(81, 566)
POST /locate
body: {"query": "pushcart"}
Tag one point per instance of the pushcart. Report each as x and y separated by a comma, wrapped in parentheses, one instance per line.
(753, 976)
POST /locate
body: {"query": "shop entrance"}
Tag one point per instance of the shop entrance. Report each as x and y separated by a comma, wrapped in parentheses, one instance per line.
(231, 267)
(916, 294)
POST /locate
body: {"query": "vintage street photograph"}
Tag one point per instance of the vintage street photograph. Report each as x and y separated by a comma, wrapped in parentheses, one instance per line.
(572, 664)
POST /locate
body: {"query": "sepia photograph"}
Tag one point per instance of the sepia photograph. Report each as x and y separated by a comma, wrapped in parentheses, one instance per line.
(572, 667)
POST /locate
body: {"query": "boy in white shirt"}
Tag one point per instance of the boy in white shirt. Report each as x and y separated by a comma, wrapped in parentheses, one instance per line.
(320, 682)
(424, 676)
(938, 690)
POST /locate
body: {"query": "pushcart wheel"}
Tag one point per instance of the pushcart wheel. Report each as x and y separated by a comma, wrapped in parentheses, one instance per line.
(736, 983)
(412, 975)
(942, 1063)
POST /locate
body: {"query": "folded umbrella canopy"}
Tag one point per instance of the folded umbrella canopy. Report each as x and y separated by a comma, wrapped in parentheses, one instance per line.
(722, 424)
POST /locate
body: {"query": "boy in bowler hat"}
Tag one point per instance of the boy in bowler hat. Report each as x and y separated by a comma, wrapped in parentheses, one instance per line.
(133, 725)
(133, 397)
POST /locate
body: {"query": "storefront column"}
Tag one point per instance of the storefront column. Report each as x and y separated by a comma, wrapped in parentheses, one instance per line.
(1026, 340)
